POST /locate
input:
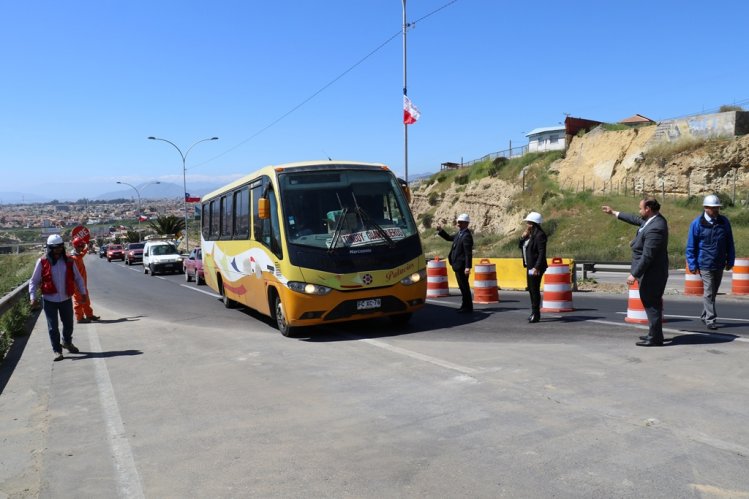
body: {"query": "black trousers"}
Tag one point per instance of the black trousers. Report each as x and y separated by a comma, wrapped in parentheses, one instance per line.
(534, 289)
(651, 296)
(465, 289)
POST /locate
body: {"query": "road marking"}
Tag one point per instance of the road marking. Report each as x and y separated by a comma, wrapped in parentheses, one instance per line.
(192, 288)
(126, 474)
(420, 356)
(696, 317)
(671, 330)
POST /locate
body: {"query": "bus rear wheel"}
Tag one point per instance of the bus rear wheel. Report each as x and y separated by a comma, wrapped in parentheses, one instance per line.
(281, 323)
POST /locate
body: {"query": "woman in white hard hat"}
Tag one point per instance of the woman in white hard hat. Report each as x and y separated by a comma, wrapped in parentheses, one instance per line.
(533, 246)
(57, 277)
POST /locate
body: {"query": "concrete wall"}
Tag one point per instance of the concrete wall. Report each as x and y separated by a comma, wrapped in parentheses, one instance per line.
(704, 126)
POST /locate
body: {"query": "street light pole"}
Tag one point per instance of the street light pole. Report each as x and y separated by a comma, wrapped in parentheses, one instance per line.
(138, 193)
(184, 177)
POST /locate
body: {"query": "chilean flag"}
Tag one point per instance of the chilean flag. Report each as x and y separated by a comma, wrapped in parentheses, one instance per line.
(190, 199)
(410, 113)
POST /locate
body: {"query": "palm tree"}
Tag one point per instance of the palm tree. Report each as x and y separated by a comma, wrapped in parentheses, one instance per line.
(168, 225)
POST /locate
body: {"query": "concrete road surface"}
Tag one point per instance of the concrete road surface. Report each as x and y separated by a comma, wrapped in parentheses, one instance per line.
(174, 396)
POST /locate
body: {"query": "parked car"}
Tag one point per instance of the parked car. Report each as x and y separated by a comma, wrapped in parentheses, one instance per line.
(115, 252)
(193, 267)
(103, 250)
(160, 257)
(134, 253)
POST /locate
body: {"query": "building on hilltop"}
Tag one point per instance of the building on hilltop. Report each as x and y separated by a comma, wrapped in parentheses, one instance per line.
(637, 120)
(550, 138)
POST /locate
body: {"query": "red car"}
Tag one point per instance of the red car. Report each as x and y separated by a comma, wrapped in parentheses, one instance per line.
(115, 252)
(193, 267)
(134, 253)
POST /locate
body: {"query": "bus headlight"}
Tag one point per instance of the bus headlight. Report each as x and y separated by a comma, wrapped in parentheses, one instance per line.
(414, 278)
(308, 288)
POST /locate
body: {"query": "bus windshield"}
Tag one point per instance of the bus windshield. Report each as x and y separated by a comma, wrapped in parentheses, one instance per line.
(344, 209)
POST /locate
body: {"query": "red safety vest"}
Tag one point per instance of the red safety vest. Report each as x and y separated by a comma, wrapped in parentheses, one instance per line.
(48, 287)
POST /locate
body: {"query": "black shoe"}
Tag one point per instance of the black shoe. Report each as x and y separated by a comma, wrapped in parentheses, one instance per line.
(649, 343)
(70, 347)
(644, 338)
(57, 357)
(712, 326)
(534, 318)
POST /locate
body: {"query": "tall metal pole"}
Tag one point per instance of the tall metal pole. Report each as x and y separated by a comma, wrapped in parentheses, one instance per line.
(184, 179)
(405, 93)
(138, 193)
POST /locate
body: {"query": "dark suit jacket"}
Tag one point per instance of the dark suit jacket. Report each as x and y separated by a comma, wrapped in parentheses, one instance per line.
(461, 252)
(536, 251)
(649, 251)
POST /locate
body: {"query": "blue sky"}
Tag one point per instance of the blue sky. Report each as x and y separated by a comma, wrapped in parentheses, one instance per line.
(85, 82)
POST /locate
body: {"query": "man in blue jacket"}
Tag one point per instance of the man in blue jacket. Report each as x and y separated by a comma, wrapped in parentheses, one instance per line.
(710, 250)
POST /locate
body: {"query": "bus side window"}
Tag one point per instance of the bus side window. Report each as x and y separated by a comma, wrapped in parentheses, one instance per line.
(242, 213)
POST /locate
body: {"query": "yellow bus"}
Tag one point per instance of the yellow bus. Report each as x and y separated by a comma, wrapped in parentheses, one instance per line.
(315, 243)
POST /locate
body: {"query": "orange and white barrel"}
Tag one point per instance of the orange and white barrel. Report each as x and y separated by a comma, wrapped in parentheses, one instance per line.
(437, 278)
(557, 295)
(740, 277)
(693, 283)
(635, 309)
(485, 288)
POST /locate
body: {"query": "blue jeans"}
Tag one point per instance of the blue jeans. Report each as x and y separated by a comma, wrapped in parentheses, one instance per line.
(65, 310)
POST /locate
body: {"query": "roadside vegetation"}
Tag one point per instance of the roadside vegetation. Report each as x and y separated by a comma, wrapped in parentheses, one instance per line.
(574, 222)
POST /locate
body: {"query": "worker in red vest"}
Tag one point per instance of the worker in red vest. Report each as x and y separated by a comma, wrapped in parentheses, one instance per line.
(57, 277)
(82, 301)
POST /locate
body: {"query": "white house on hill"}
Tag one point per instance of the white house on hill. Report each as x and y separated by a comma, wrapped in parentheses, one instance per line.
(550, 138)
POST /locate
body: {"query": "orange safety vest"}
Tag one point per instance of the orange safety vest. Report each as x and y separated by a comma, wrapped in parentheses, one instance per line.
(78, 259)
(48, 286)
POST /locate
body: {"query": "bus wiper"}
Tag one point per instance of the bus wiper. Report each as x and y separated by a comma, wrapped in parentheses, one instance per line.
(338, 230)
(368, 221)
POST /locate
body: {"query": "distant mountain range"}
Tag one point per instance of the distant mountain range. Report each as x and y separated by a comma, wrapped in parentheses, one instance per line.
(162, 190)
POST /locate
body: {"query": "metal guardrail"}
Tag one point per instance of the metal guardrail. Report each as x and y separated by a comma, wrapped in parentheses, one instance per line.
(8, 301)
(594, 267)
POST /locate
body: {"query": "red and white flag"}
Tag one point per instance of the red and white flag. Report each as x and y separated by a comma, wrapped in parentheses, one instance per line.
(410, 112)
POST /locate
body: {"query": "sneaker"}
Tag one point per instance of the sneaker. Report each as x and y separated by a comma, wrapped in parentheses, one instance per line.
(94, 318)
(70, 348)
(84, 320)
(58, 356)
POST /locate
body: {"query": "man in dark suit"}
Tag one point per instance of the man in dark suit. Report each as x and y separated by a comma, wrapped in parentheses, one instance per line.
(461, 259)
(649, 264)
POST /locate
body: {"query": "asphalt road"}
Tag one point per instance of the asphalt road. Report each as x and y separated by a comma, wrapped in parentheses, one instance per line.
(174, 396)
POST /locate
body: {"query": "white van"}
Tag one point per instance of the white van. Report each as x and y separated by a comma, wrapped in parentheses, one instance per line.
(160, 257)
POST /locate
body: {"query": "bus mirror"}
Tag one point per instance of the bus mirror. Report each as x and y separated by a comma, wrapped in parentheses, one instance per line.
(406, 189)
(263, 208)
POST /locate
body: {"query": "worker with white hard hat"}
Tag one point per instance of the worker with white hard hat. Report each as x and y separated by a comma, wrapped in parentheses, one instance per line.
(461, 258)
(710, 250)
(57, 278)
(533, 247)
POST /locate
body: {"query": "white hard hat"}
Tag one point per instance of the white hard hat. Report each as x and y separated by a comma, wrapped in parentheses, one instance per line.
(54, 240)
(463, 217)
(711, 200)
(534, 217)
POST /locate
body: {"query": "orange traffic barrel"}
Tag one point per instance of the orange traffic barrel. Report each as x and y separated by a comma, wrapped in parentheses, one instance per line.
(740, 277)
(557, 288)
(693, 283)
(437, 278)
(485, 288)
(635, 309)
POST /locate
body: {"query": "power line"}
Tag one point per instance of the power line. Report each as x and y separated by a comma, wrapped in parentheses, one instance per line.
(324, 87)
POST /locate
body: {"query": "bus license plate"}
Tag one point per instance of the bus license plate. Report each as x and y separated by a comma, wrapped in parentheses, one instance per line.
(368, 304)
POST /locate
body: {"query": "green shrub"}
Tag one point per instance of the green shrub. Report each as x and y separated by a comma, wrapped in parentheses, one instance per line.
(726, 108)
(427, 219)
(740, 219)
(433, 198)
(461, 179)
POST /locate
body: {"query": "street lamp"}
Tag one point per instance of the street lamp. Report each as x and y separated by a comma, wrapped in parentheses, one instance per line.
(138, 193)
(184, 177)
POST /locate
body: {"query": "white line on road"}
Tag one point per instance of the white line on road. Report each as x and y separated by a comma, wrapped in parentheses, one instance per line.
(191, 288)
(696, 317)
(126, 474)
(421, 356)
(671, 330)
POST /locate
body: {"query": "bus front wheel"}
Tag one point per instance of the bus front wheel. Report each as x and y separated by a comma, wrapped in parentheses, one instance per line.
(283, 325)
